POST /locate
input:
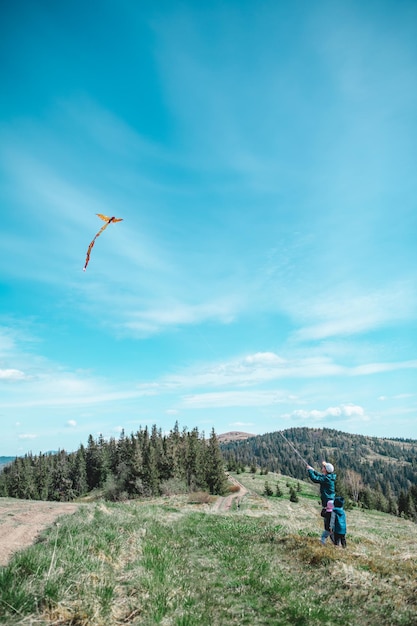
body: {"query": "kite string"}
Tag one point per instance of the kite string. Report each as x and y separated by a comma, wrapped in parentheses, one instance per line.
(295, 450)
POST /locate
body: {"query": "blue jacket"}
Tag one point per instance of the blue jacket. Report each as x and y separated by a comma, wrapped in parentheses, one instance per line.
(327, 485)
(338, 517)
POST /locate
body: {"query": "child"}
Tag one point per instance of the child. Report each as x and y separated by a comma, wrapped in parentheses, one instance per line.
(338, 522)
(327, 515)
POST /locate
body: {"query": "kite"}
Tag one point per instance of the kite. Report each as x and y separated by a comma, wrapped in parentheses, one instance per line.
(108, 221)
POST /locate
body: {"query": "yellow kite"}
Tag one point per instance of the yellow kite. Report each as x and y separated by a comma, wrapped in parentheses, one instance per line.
(108, 221)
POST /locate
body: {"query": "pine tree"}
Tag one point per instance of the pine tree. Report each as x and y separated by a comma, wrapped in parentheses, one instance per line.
(215, 475)
(193, 460)
(78, 472)
(96, 465)
(61, 483)
(405, 504)
(366, 498)
(278, 491)
(28, 488)
(136, 468)
(150, 468)
(293, 495)
(43, 473)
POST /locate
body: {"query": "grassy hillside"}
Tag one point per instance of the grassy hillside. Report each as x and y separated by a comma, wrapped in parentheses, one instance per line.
(173, 562)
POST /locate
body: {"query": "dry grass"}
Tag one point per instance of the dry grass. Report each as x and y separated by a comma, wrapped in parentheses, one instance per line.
(169, 563)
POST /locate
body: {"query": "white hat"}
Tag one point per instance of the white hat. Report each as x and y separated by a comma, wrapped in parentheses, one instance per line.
(328, 467)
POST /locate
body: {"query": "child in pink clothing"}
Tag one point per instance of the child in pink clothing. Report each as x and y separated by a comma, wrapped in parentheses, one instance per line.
(327, 515)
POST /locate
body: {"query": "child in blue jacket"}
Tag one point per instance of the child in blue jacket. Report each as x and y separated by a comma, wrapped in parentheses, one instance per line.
(338, 522)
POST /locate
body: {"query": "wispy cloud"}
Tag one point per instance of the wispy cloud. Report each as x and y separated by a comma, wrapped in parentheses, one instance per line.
(268, 199)
(261, 368)
(234, 398)
(39, 399)
(347, 311)
(378, 368)
(174, 314)
(242, 381)
(12, 374)
(333, 413)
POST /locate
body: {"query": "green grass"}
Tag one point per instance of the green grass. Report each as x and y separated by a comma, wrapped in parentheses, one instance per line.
(172, 562)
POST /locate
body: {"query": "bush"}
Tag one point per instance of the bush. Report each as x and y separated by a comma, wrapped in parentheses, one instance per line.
(113, 490)
(200, 497)
(173, 486)
(293, 495)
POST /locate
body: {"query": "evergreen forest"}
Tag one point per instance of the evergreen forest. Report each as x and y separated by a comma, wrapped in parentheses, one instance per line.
(373, 472)
(147, 463)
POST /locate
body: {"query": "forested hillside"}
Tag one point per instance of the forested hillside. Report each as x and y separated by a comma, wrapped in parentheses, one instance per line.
(371, 472)
(379, 473)
(142, 464)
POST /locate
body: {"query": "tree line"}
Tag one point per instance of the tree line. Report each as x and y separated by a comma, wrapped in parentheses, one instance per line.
(372, 472)
(146, 463)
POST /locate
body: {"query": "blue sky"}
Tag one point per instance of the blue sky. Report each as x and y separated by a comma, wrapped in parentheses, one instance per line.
(262, 156)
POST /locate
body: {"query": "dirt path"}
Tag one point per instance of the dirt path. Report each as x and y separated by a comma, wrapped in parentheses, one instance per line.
(21, 521)
(225, 503)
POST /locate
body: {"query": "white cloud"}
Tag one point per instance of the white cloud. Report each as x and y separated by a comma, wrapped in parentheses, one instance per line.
(249, 370)
(259, 368)
(153, 321)
(352, 410)
(27, 436)
(71, 423)
(12, 374)
(343, 410)
(264, 358)
(377, 368)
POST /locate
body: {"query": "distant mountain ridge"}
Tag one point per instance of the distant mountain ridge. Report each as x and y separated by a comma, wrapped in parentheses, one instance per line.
(5, 460)
(388, 465)
(234, 435)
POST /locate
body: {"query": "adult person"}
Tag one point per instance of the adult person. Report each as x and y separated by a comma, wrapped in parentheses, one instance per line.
(327, 481)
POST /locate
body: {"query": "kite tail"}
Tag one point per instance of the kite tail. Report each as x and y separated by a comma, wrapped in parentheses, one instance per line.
(90, 247)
